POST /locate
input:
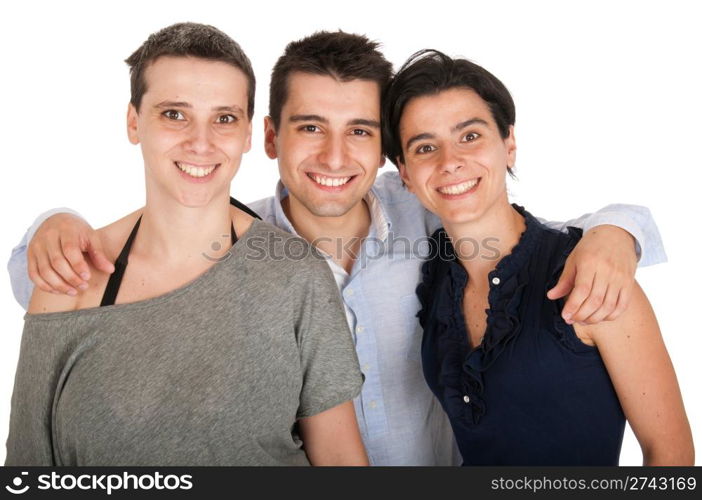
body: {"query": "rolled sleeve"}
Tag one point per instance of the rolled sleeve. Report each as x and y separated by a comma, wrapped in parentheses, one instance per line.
(635, 219)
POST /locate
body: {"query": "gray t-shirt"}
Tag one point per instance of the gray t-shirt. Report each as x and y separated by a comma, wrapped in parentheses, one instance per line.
(216, 372)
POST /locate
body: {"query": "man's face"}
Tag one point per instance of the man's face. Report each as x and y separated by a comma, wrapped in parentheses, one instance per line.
(328, 142)
(192, 127)
(455, 158)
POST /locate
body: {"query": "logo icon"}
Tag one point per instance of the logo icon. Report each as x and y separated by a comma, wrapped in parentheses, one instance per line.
(216, 246)
(17, 482)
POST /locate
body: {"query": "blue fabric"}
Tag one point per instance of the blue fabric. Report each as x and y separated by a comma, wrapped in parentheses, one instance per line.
(531, 393)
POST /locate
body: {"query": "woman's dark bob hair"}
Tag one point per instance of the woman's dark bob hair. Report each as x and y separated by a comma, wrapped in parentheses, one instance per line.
(430, 72)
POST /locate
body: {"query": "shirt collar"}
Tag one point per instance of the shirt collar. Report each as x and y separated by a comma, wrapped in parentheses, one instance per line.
(380, 222)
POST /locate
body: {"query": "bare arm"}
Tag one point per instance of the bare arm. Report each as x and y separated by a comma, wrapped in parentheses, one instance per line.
(332, 437)
(643, 376)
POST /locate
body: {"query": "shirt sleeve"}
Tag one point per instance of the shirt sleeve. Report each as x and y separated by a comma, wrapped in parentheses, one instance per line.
(331, 373)
(636, 220)
(22, 286)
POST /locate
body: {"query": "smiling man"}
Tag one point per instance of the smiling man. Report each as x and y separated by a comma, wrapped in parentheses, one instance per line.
(324, 130)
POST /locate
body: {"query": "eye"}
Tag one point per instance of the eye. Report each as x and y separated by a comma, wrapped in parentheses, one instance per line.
(172, 114)
(227, 119)
(471, 136)
(310, 128)
(360, 132)
(424, 149)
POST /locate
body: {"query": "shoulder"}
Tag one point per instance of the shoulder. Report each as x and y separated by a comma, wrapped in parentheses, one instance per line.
(112, 238)
(390, 189)
(44, 302)
(264, 207)
(282, 250)
(552, 246)
(637, 324)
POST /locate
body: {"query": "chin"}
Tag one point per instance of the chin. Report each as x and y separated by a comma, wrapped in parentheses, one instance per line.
(329, 209)
(193, 200)
(458, 216)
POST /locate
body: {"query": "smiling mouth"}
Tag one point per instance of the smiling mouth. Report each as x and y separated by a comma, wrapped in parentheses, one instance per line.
(326, 181)
(458, 189)
(196, 170)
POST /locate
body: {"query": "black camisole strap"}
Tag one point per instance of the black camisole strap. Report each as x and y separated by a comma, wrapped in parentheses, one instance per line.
(115, 280)
(243, 208)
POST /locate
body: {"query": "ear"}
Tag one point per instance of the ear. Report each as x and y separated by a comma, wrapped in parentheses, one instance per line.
(269, 137)
(382, 161)
(403, 174)
(132, 124)
(511, 145)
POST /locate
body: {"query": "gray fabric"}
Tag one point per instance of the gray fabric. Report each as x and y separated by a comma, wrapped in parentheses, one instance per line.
(214, 373)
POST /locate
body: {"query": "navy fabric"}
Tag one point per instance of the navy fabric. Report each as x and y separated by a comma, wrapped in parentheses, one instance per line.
(531, 393)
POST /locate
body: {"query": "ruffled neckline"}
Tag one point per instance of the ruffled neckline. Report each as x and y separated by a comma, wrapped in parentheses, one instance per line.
(441, 296)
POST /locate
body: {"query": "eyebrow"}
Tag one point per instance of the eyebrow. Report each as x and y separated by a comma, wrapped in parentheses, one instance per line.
(187, 105)
(467, 123)
(308, 118)
(321, 119)
(455, 128)
(418, 137)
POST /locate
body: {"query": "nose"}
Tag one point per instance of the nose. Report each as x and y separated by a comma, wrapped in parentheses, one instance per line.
(200, 139)
(449, 160)
(333, 153)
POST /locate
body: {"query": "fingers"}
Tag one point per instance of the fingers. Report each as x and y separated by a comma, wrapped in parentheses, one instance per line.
(565, 283)
(55, 259)
(97, 255)
(52, 266)
(594, 299)
(607, 299)
(34, 275)
(606, 306)
(622, 304)
(579, 294)
(73, 268)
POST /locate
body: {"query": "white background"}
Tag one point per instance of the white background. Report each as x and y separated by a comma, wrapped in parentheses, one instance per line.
(608, 110)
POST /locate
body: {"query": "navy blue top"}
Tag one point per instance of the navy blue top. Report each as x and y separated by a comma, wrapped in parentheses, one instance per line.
(531, 393)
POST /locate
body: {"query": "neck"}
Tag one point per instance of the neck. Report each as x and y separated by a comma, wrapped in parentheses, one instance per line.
(482, 243)
(172, 233)
(340, 236)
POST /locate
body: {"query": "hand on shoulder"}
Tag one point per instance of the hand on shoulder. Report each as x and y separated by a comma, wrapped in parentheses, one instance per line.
(109, 238)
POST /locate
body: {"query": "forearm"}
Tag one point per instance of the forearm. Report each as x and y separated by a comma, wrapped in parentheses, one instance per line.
(680, 452)
(636, 220)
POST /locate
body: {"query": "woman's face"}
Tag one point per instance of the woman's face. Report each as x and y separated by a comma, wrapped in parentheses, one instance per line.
(193, 128)
(455, 158)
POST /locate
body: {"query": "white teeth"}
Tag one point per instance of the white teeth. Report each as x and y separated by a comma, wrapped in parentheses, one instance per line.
(330, 181)
(194, 171)
(459, 188)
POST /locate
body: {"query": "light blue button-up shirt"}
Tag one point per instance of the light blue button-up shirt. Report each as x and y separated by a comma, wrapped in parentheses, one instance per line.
(400, 420)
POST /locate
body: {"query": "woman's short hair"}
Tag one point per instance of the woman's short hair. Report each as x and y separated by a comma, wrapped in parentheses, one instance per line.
(194, 40)
(429, 72)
